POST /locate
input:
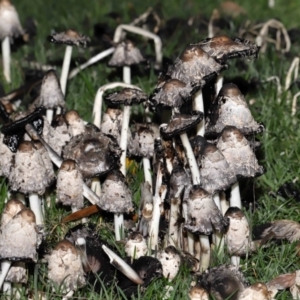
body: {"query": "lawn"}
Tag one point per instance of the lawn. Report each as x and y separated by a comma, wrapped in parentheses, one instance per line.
(280, 147)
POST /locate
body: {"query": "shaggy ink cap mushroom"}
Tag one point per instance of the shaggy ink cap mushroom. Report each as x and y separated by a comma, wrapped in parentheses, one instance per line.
(126, 54)
(126, 96)
(180, 123)
(17, 273)
(203, 214)
(69, 37)
(65, 267)
(75, 123)
(11, 208)
(18, 238)
(258, 291)
(222, 48)
(94, 153)
(238, 153)
(194, 65)
(7, 157)
(231, 109)
(198, 293)
(223, 282)
(112, 122)
(135, 246)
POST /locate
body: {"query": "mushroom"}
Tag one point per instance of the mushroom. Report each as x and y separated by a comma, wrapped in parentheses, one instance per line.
(70, 38)
(75, 124)
(257, 291)
(135, 246)
(10, 27)
(198, 293)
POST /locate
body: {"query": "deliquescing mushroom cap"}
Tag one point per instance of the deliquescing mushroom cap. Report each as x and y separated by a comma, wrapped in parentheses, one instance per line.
(29, 173)
(141, 141)
(94, 153)
(174, 93)
(116, 195)
(194, 65)
(65, 267)
(215, 172)
(126, 96)
(231, 109)
(223, 48)
(112, 122)
(69, 185)
(51, 95)
(126, 54)
(223, 282)
(9, 21)
(18, 238)
(238, 153)
(69, 37)
(12, 207)
(180, 123)
(203, 214)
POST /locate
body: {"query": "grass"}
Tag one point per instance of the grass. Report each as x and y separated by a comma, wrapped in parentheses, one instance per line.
(280, 142)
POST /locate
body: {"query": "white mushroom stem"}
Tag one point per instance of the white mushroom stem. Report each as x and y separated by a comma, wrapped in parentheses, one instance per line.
(235, 196)
(235, 260)
(96, 186)
(145, 33)
(122, 266)
(154, 223)
(205, 252)
(5, 265)
(127, 74)
(219, 83)
(190, 236)
(6, 58)
(68, 296)
(219, 240)
(49, 115)
(147, 171)
(36, 207)
(65, 69)
(199, 106)
(224, 203)
(123, 138)
(294, 104)
(119, 226)
(91, 61)
(7, 290)
(294, 67)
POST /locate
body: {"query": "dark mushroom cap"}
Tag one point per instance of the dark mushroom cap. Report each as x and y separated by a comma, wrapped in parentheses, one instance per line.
(94, 153)
(238, 153)
(180, 123)
(9, 21)
(51, 95)
(203, 214)
(116, 196)
(194, 65)
(141, 142)
(231, 109)
(18, 238)
(69, 37)
(126, 96)
(126, 54)
(223, 47)
(223, 282)
(174, 93)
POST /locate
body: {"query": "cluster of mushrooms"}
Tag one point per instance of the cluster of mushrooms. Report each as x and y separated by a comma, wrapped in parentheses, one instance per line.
(196, 150)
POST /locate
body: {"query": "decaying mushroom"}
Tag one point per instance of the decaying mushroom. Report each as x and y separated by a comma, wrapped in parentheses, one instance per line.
(112, 122)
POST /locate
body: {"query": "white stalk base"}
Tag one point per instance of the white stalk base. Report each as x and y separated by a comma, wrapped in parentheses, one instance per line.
(199, 106)
(65, 69)
(6, 57)
(205, 252)
(147, 171)
(36, 207)
(5, 265)
(119, 226)
(235, 260)
(235, 196)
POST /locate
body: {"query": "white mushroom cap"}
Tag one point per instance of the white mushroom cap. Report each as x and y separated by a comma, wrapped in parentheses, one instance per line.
(9, 20)
(18, 239)
(69, 37)
(112, 122)
(198, 293)
(170, 260)
(76, 124)
(6, 158)
(11, 208)
(17, 273)
(136, 246)
(257, 291)
(65, 267)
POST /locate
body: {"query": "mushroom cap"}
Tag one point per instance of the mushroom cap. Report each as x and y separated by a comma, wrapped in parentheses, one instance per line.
(64, 267)
(18, 238)
(9, 21)
(174, 93)
(12, 207)
(198, 293)
(94, 153)
(116, 195)
(237, 237)
(223, 282)
(215, 172)
(238, 153)
(178, 179)
(51, 95)
(69, 37)
(6, 158)
(112, 122)
(231, 109)
(126, 54)
(17, 273)
(223, 47)
(136, 246)
(203, 214)
(76, 125)
(141, 142)
(70, 185)
(180, 123)
(194, 65)
(126, 96)
(257, 291)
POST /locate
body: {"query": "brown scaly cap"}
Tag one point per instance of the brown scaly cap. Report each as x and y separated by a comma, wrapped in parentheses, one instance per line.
(203, 214)
(194, 65)
(12, 207)
(180, 123)
(231, 109)
(198, 293)
(126, 96)
(126, 54)
(69, 37)
(258, 291)
(238, 153)
(223, 48)
(9, 21)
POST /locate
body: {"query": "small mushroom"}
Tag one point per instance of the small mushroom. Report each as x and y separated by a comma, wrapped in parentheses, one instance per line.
(257, 291)
(198, 293)
(135, 246)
